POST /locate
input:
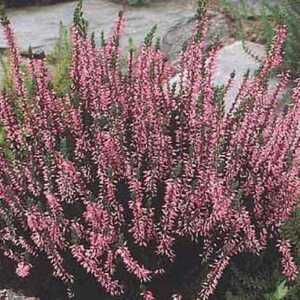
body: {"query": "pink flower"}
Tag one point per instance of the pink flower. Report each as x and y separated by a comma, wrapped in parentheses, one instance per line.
(289, 267)
(148, 295)
(133, 266)
(23, 269)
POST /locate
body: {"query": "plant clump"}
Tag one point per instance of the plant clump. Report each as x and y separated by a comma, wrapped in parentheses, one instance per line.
(133, 178)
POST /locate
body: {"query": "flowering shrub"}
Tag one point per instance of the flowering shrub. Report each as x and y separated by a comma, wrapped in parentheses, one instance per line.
(125, 167)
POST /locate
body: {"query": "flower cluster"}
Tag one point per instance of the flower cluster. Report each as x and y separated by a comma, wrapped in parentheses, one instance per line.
(125, 165)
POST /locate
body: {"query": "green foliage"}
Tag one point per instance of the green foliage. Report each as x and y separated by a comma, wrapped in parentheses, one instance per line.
(257, 279)
(3, 17)
(201, 8)
(150, 35)
(287, 13)
(137, 2)
(250, 277)
(2, 136)
(60, 59)
(280, 292)
(236, 14)
(6, 83)
(200, 12)
(78, 18)
(291, 231)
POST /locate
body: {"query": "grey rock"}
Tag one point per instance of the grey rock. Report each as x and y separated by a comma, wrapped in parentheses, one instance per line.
(253, 7)
(38, 27)
(181, 31)
(234, 58)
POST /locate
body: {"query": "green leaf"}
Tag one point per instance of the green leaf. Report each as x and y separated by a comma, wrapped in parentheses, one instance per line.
(149, 37)
(79, 21)
(281, 291)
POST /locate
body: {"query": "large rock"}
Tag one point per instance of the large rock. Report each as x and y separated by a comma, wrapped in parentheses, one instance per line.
(39, 26)
(234, 58)
(181, 31)
(253, 7)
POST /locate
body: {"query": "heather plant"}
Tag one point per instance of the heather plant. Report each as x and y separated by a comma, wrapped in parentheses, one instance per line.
(138, 181)
(58, 61)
